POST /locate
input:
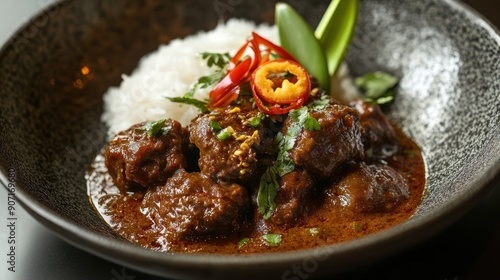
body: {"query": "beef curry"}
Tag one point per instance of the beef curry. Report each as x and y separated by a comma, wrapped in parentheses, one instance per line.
(236, 180)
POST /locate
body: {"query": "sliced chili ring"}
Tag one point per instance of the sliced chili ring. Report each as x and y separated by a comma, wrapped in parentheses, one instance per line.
(275, 94)
(228, 88)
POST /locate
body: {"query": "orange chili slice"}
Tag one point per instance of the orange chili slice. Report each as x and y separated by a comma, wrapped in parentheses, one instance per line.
(279, 86)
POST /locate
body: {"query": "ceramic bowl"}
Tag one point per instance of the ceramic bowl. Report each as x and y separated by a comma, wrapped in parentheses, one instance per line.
(446, 56)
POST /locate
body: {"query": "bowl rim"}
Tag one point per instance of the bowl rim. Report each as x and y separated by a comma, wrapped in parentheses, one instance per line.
(379, 244)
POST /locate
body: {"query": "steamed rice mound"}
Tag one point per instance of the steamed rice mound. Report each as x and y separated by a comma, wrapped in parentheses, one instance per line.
(170, 71)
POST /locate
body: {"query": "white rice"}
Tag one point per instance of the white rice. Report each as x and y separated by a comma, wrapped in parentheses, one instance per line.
(170, 71)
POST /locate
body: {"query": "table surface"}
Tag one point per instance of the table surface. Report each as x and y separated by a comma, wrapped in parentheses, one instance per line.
(469, 249)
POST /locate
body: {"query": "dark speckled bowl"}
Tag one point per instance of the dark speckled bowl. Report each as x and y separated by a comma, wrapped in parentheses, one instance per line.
(448, 59)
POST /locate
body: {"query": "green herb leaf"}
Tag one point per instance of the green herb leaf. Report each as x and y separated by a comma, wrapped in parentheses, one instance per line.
(255, 121)
(206, 81)
(213, 59)
(268, 188)
(224, 134)
(311, 124)
(215, 125)
(320, 104)
(302, 117)
(335, 30)
(377, 87)
(272, 239)
(154, 128)
(201, 105)
(284, 164)
(216, 59)
(243, 242)
(297, 37)
(269, 185)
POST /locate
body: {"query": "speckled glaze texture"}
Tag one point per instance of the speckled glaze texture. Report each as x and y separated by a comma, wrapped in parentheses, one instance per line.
(54, 71)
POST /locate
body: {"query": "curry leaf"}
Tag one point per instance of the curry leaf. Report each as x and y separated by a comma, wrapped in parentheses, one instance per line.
(335, 30)
(297, 37)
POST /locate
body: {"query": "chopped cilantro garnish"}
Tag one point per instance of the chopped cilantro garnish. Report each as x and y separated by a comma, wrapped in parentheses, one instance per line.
(243, 242)
(320, 104)
(213, 59)
(272, 239)
(201, 105)
(311, 123)
(154, 128)
(219, 60)
(206, 81)
(377, 87)
(301, 118)
(268, 188)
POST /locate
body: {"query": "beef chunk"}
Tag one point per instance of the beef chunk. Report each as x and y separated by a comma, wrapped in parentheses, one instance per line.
(370, 188)
(322, 152)
(135, 159)
(233, 159)
(192, 204)
(378, 135)
(293, 199)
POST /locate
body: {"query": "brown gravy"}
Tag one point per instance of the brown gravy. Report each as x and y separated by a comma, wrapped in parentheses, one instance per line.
(329, 224)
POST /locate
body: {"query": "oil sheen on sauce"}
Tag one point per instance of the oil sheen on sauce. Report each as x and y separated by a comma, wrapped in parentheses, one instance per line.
(329, 224)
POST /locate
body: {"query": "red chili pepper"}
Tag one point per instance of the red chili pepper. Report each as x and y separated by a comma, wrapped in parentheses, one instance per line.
(227, 90)
(236, 58)
(273, 47)
(275, 93)
(224, 92)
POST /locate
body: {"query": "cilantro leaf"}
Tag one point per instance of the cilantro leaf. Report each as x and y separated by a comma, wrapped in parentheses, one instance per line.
(268, 188)
(201, 105)
(154, 128)
(377, 87)
(213, 59)
(206, 81)
(272, 239)
(320, 104)
(216, 59)
(311, 124)
(301, 118)
(243, 242)
(269, 185)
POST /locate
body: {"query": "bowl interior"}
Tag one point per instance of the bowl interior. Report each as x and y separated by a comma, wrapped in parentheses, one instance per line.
(54, 71)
